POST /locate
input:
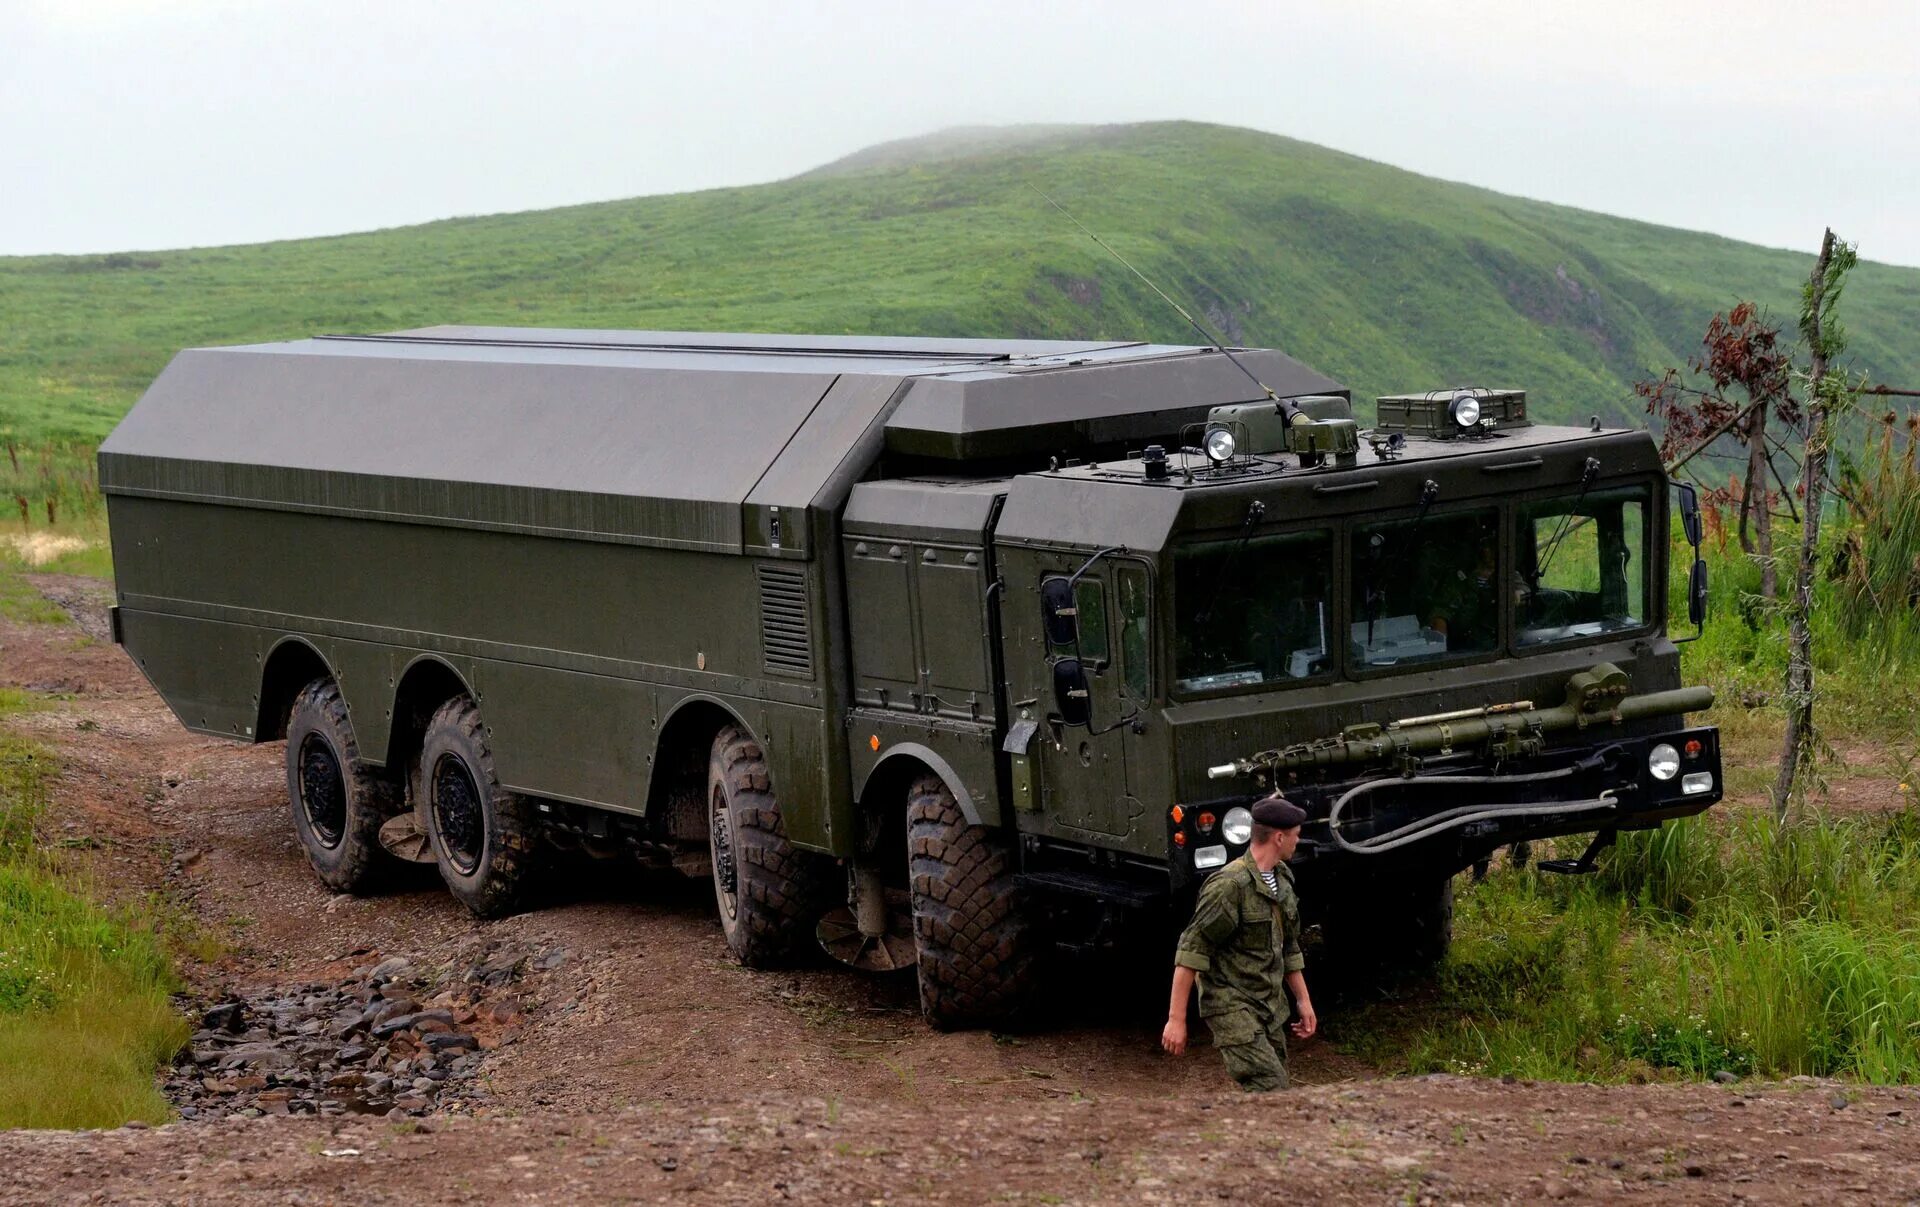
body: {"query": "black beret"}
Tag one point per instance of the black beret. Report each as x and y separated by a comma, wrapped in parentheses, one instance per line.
(1278, 813)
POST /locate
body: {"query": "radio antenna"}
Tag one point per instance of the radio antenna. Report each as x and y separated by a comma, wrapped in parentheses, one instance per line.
(1205, 334)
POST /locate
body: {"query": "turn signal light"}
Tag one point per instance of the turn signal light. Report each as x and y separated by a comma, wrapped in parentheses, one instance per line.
(1179, 838)
(1693, 748)
(1179, 815)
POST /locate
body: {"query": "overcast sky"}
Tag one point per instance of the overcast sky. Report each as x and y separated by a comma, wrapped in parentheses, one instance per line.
(163, 123)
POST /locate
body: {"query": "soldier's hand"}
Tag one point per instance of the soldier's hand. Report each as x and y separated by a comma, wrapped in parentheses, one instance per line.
(1174, 1038)
(1307, 1023)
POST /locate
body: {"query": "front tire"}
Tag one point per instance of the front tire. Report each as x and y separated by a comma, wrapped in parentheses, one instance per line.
(976, 945)
(483, 836)
(339, 803)
(769, 893)
(1397, 930)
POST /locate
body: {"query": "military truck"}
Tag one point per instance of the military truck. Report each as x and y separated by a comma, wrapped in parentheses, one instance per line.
(938, 653)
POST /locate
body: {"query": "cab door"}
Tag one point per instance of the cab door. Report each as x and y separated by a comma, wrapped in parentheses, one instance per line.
(1076, 652)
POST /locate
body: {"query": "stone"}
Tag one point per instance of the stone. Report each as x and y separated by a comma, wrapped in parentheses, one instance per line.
(261, 1055)
(253, 1082)
(353, 1053)
(394, 1008)
(450, 1041)
(346, 1080)
(230, 1017)
(553, 959)
(393, 1026)
(1725, 1076)
(412, 1102)
(386, 970)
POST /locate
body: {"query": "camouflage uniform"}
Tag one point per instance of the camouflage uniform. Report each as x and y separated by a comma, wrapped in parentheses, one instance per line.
(1242, 942)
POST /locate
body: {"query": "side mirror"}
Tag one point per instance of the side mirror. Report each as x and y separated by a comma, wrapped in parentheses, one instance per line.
(1059, 613)
(1697, 574)
(1690, 512)
(1071, 696)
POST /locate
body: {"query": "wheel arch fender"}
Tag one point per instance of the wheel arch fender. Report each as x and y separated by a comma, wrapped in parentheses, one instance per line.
(424, 684)
(291, 663)
(677, 767)
(897, 766)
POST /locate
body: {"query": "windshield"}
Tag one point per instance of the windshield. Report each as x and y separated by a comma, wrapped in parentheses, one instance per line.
(1252, 612)
(1425, 588)
(1584, 560)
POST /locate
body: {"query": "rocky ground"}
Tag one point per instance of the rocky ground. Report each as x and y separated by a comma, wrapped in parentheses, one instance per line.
(603, 1047)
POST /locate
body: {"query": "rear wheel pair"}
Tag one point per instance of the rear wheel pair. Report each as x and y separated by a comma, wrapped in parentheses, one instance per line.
(974, 951)
(481, 835)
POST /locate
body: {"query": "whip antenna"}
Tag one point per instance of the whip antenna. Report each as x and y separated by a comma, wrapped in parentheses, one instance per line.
(1205, 334)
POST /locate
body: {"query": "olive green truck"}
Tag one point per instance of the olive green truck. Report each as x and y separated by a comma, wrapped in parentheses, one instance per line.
(935, 653)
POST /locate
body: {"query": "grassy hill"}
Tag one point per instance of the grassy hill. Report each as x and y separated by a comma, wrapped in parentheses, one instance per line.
(1383, 278)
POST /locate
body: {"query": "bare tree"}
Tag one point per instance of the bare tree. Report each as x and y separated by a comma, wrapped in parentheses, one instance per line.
(1828, 392)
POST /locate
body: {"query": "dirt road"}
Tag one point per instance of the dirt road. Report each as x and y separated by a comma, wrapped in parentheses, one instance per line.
(639, 1062)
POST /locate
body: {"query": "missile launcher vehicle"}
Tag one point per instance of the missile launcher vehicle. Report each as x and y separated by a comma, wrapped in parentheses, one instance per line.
(937, 653)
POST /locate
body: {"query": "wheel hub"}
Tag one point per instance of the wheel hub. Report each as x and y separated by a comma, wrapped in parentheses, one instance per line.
(323, 791)
(457, 814)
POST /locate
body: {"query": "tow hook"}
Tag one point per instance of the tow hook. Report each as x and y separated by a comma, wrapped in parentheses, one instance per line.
(1583, 865)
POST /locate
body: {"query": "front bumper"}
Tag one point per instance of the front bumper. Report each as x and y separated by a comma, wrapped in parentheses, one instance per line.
(1604, 786)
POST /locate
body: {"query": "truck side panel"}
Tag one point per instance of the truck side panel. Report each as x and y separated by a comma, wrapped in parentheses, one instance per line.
(577, 648)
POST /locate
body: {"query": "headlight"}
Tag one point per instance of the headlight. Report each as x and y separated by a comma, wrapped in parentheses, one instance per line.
(1466, 410)
(1237, 826)
(1218, 444)
(1664, 761)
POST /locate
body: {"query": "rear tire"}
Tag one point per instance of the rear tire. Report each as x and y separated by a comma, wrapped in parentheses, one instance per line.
(976, 946)
(339, 803)
(483, 836)
(769, 894)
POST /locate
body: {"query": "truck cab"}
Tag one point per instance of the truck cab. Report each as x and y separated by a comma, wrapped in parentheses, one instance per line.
(1178, 633)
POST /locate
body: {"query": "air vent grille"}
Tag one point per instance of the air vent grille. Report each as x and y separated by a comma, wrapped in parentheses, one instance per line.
(785, 643)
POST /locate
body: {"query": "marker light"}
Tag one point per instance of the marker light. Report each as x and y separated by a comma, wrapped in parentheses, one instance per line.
(1210, 857)
(1179, 838)
(1466, 410)
(1205, 822)
(1179, 815)
(1218, 445)
(1237, 826)
(1693, 748)
(1664, 761)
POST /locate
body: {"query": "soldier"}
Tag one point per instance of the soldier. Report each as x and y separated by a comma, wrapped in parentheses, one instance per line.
(1243, 946)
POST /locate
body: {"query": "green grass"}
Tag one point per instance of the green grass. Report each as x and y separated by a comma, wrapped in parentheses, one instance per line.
(85, 1016)
(1710, 945)
(1383, 278)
